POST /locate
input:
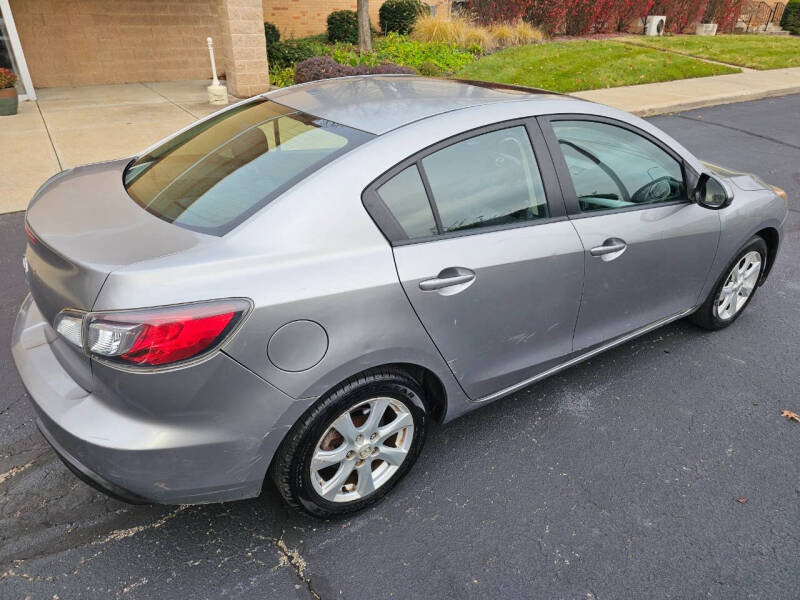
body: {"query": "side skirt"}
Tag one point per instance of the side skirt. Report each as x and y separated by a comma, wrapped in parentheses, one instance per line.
(585, 356)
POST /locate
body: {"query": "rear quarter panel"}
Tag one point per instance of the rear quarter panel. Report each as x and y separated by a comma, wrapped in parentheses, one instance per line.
(314, 255)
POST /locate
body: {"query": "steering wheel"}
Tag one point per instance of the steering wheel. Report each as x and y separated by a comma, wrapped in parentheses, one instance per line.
(657, 190)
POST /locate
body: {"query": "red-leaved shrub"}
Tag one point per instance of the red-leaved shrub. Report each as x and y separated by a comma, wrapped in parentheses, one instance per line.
(548, 15)
(494, 11)
(324, 67)
(629, 11)
(680, 13)
(604, 15)
(725, 13)
(580, 16)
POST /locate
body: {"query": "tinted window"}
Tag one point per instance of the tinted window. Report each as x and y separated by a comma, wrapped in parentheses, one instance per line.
(612, 167)
(406, 198)
(491, 179)
(217, 173)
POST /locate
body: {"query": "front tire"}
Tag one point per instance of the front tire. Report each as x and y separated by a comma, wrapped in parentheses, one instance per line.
(735, 288)
(353, 445)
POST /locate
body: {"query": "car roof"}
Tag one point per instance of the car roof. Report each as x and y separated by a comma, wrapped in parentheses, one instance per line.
(380, 103)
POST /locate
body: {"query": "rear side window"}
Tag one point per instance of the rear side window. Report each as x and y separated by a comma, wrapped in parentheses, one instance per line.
(488, 180)
(405, 196)
(213, 176)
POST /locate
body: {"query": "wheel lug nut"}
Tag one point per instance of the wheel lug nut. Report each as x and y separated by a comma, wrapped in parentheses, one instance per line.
(373, 437)
(360, 439)
(350, 454)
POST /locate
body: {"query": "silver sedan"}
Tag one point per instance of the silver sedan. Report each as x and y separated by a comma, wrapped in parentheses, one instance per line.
(293, 287)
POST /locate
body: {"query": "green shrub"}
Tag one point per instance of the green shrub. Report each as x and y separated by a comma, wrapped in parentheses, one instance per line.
(791, 17)
(428, 69)
(437, 57)
(343, 26)
(290, 52)
(347, 54)
(271, 33)
(401, 50)
(281, 77)
(399, 16)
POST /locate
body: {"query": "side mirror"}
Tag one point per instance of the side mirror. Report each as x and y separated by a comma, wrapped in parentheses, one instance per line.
(711, 193)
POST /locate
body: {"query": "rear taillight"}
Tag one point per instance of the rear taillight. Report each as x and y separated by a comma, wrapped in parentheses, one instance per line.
(155, 337)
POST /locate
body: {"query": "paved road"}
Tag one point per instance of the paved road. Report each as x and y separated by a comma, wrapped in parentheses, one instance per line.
(616, 479)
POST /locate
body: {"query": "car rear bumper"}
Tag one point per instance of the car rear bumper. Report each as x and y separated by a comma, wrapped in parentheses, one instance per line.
(204, 433)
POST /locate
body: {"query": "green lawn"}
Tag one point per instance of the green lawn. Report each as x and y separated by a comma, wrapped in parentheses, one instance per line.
(586, 65)
(754, 51)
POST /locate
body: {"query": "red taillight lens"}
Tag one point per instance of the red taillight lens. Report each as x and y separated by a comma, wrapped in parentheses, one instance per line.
(163, 336)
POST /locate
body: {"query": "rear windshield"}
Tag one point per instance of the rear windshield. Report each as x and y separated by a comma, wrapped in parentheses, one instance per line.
(214, 175)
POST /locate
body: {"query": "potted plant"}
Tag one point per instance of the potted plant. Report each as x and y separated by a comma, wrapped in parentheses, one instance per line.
(707, 24)
(8, 93)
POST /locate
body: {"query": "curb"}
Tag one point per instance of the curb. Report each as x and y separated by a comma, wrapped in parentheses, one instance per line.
(674, 107)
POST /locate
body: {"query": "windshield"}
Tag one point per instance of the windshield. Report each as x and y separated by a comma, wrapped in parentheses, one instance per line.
(214, 175)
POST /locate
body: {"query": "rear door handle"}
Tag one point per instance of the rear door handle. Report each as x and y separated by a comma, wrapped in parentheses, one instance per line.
(610, 246)
(449, 277)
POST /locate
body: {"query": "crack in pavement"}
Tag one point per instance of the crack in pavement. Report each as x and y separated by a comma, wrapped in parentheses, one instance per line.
(121, 534)
(291, 557)
(14, 471)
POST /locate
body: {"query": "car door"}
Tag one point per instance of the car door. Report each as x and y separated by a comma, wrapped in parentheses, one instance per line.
(485, 253)
(648, 248)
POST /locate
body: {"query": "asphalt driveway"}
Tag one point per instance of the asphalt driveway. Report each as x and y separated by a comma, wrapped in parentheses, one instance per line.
(661, 469)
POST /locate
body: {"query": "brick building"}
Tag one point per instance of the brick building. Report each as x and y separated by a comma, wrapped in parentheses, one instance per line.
(298, 18)
(84, 42)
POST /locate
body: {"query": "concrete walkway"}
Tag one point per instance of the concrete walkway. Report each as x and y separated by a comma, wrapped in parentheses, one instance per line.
(685, 94)
(71, 126)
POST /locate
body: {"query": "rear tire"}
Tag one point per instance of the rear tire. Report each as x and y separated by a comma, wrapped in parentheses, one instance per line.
(727, 299)
(330, 473)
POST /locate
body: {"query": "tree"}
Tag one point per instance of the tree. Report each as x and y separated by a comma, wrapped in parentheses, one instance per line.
(364, 29)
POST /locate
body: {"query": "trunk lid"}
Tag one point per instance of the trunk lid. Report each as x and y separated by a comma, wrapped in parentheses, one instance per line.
(83, 225)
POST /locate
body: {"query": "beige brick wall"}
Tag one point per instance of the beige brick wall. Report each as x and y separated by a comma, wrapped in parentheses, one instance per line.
(78, 42)
(299, 18)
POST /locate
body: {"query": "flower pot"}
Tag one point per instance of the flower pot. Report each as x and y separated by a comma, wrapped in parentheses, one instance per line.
(8, 101)
(706, 29)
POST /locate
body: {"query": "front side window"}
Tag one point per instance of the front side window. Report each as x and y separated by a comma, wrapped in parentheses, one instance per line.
(612, 167)
(214, 175)
(488, 180)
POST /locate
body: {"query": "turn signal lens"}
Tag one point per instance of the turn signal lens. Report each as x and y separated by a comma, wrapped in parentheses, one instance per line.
(780, 192)
(163, 336)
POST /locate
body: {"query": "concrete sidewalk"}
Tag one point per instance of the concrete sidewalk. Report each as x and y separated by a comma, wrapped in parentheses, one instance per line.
(70, 126)
(685, 94)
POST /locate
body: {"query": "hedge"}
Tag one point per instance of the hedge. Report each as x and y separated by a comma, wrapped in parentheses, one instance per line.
(399, 16)
(343, 26)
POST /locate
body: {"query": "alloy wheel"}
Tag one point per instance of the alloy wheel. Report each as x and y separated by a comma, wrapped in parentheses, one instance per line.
(361, 449)
(738, 286)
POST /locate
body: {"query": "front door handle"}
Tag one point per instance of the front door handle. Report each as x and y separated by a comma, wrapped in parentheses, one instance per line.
(610, 246)
(448, 278)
